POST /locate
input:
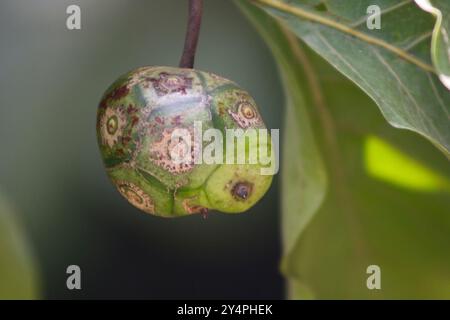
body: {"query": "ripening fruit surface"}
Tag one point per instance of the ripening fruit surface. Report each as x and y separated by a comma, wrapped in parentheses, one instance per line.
(136, 120)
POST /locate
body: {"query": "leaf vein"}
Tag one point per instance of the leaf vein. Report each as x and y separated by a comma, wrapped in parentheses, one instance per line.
(313, 17)
(408, 94)
(418, 40)
(372, 92)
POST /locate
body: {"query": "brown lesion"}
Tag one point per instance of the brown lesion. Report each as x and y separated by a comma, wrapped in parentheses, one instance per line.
(246, 115)
(161, 150)
(112, 126)
(191, 209)
(136, 196)
(115, 94)
(167, 83)
(119, 92)
(116, 125)
(242, 190)
(247, 110)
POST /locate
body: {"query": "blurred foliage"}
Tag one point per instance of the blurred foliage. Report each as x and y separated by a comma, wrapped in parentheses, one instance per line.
(18, 271)
(402, 169)
(385, 191)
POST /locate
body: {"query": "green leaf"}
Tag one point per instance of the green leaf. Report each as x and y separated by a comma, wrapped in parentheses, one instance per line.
(303, 170)
(392, 65)
(364, 213)
(18, 275)
(440, 45)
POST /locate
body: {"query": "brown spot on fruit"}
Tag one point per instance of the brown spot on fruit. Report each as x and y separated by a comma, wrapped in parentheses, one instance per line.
(242, 190)
(136, 196)
(247, 110)
(194, 208)
(119, 93)
(246, 115)
(162, 151)
(168, 83)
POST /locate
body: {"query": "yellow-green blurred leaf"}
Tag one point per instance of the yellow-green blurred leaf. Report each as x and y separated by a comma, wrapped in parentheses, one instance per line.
(385, 162)
(18, 273)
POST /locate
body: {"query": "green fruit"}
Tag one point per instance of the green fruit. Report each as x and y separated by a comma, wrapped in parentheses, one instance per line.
(136, 120)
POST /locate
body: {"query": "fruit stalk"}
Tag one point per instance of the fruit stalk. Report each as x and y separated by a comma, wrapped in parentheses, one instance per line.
(192, 34)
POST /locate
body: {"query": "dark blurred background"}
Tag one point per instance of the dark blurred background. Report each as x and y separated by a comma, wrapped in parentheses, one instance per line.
(51, 80)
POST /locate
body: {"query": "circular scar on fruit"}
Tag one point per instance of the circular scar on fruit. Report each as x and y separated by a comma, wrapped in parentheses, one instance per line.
(242, 190)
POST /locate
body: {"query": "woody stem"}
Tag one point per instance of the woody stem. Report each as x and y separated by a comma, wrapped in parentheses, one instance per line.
(192, 33)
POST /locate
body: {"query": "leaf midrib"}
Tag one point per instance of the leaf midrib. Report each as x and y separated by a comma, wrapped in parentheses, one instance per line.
(304, 14)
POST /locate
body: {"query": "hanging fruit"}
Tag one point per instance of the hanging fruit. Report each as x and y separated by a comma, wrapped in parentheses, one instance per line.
(152, 117)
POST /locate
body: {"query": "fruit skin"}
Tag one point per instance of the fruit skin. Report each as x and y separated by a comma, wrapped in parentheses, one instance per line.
(135, 119)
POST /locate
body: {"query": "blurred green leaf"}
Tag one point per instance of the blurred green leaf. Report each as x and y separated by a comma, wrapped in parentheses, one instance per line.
(303, 169)
(18, 275)
(362, 216)
(440, 45)
(392, 64)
